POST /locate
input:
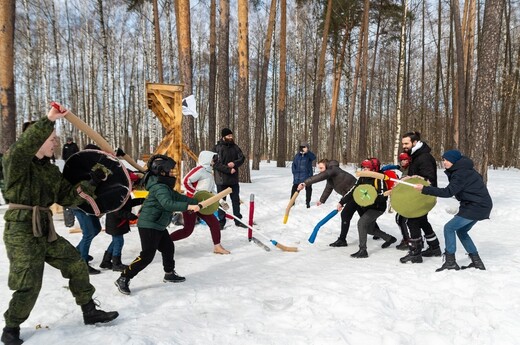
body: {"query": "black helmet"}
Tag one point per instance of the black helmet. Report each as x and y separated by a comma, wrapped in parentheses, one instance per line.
(160, 164)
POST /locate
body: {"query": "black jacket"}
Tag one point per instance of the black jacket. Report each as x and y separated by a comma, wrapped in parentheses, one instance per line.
(379, 185)
(467, 186)
(337, 179)
(69, 150)
(118, 222)
(424, 165)
(227, 152)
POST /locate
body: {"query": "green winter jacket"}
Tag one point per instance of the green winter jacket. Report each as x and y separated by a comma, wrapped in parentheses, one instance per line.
(161, 202)
(36, 182)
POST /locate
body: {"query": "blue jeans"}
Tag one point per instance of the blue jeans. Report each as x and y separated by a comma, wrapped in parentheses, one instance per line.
(460, 226)
(90, 227)
(116, 246)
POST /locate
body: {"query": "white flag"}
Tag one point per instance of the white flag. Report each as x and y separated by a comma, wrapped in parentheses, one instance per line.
(189, 106)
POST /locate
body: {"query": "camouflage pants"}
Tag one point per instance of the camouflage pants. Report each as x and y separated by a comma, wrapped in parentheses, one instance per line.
(27, 256)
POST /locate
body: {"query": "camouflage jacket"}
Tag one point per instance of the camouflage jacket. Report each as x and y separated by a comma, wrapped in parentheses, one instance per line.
(36, 182)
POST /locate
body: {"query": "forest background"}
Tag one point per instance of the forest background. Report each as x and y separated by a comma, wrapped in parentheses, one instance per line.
(348, 77)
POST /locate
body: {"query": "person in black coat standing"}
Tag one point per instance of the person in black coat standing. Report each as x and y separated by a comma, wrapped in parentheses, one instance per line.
(422, 164)
(467, 185)
(229, 159)
(302, 170)
(69, 149)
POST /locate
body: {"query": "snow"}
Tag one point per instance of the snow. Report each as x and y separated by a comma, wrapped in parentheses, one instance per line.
(319, 295)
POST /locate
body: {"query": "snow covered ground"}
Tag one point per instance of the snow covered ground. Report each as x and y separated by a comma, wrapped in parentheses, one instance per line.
(319, 295)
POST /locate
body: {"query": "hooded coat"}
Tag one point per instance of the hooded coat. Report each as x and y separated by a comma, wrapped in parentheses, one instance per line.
(337, 179)
(200, 177)
(466, 184)
(302, 165)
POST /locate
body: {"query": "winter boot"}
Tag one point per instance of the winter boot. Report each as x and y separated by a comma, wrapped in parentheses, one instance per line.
(123, 284)
(389, 242)
(91, 315)
(339, 243)
(375, 237)
(431, 251)
(402, 246)
(11, 336)
(414, 253)
(107, 261)
(92, 270)
(449, 263)
(360, 254)
(117, 265)
(476, 262)
(172, 277)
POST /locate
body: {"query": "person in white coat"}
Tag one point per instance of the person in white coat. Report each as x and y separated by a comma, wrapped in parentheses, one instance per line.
(200, 178)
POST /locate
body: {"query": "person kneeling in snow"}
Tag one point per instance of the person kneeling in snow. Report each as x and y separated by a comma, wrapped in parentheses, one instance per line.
(466, 184)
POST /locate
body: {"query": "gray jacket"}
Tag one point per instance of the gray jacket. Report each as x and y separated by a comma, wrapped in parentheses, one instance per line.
(337, 179)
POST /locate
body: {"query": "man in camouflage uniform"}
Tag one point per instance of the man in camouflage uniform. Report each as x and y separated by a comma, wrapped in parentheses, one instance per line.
(32, 184)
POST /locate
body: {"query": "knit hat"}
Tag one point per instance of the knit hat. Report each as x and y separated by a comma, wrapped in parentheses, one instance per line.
(452, 155)
(225, 132)
(404, 156)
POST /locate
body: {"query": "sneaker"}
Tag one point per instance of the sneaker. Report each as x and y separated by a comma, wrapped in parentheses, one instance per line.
(172, 277)
(92, 270)
(360, 254)
(339, 243)
(389, 242)
(430, 252)
(11, 336)
(123, 284)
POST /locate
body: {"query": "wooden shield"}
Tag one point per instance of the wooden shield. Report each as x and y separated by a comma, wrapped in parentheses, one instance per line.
(411, 203)
(202, 195)
(365, 195)
(112, 193)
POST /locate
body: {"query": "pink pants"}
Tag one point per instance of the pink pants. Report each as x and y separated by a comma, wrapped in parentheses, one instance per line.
(189, 225)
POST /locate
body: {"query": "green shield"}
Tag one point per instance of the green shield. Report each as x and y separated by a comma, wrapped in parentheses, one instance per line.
(365, 195)
(202, 195)
(409, 202)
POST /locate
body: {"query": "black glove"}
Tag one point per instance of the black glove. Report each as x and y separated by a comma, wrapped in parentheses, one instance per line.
(97, 176)
(120, 152)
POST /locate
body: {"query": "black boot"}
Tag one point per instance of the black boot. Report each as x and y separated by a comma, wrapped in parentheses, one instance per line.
(431, 251)
(449, 263)
(414, 253)
(123, 284)
(476, 262)
(117, 265)
(91, 315)
(389, 242)
(402, 246)
(11, 336)
(173, 277)
(360, 254)
(107, 261)
(339, 243)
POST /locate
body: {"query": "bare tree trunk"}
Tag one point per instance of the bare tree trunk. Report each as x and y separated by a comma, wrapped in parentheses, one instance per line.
(157, 35)
(212, 107)
(7, 91)
(224, 118)
(243, 87)
(106, 129)
(400, 82)
(282, 121)
(363, 121)
(316, 100)
(459, 124)
(182, 14)
(485, 88)
(262, 87)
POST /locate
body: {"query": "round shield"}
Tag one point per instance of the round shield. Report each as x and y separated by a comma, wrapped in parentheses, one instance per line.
(365, 195)
(112, 193)
(202, 195)
(409, 202)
